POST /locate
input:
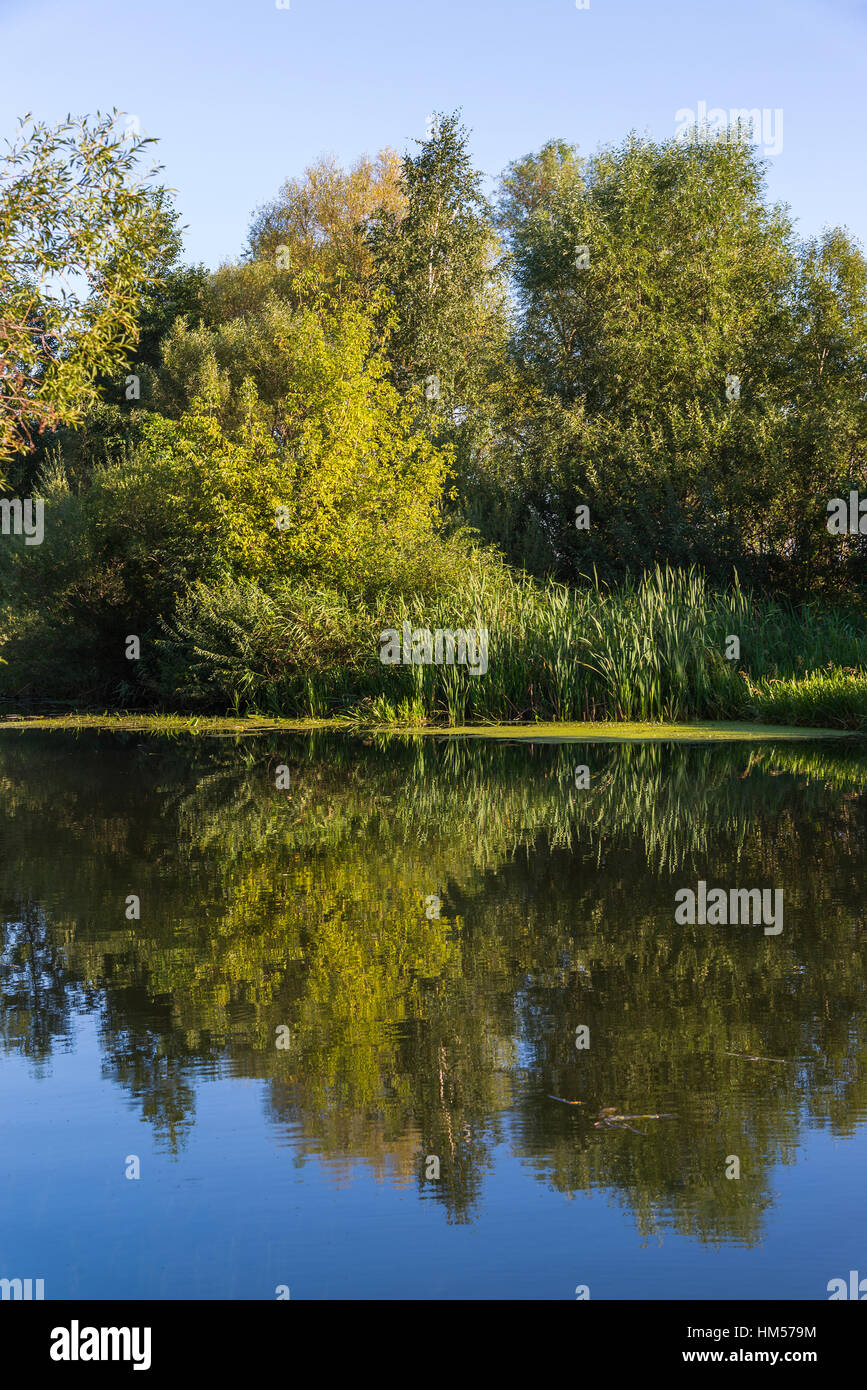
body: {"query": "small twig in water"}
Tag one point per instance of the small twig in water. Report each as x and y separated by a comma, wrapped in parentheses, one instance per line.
(748, 1057)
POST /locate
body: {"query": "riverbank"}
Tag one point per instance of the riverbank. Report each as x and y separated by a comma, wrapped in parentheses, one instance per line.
(575, 732)
(660, 649)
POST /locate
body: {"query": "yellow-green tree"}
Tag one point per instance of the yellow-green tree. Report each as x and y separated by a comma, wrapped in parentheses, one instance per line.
(318, 222)
(82, 237)
(292, 454)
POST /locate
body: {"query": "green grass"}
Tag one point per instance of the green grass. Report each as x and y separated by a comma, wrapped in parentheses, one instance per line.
(835, 698)
(650, 652)
(591, 731)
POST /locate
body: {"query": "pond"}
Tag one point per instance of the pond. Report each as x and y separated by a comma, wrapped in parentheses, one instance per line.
(301, 1015)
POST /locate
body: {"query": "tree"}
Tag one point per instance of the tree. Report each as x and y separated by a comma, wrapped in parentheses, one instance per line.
(80, 240)
(530, 182)
(318, 222)
(281, 455)
(654, 287)
(825, 410)
(289, 412)
(439, 263)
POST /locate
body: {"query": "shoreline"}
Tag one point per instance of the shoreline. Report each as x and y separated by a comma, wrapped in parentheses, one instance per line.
(702, 731)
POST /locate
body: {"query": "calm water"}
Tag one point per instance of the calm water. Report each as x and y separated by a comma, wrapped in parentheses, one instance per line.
(334, 989)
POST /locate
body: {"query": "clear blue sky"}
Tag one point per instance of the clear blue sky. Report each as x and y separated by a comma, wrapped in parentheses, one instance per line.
(242, 94)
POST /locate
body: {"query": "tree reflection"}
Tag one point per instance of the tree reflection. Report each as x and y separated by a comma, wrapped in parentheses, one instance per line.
(413, 1033)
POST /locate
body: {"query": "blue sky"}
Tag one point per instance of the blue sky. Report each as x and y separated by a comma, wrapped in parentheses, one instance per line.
(242, 94)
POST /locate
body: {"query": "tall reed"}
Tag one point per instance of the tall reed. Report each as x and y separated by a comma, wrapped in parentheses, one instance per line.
(653, 649)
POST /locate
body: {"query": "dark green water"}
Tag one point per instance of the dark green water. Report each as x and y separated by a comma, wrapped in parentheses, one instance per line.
(329, 987)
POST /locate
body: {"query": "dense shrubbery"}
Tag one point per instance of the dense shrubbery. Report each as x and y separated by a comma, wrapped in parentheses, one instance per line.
(647, 650)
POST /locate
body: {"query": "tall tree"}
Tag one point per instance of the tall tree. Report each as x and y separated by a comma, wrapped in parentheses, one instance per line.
(655, 293)
(440, 263)
(318, 222)
(825, 410)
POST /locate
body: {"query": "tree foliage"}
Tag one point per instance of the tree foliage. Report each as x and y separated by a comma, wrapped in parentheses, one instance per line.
(395, 363)
(318, 222)
(81, 238)
(684, 368)
(439, 262)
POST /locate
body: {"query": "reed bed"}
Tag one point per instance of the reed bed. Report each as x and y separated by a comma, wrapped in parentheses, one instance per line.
(653, 649)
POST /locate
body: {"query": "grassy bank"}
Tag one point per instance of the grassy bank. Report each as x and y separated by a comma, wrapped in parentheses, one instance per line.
(652, 650)
(664, 649)
(590, 731)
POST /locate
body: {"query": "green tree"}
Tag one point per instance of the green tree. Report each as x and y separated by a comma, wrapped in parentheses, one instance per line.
(825, 412)
(661, 368)
(282, 454)
(318, 222)
(81, 237)
(304, 388)
(440, 264)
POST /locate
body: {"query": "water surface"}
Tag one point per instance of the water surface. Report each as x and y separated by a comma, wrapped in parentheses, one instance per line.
(336, 989)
